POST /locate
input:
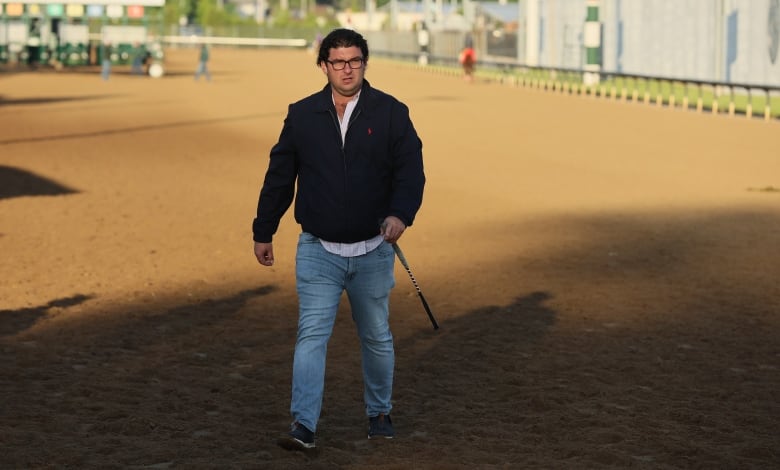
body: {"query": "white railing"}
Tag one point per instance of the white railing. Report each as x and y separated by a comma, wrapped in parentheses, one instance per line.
(230, 41)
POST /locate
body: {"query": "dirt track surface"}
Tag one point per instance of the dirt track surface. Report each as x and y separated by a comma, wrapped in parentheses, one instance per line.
(605, 274)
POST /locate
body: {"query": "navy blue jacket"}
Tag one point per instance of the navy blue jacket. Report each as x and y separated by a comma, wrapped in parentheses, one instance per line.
(343, 193)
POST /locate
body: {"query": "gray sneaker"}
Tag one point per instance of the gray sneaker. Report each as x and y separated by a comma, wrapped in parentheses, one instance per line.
(299, 438)
(380, 427)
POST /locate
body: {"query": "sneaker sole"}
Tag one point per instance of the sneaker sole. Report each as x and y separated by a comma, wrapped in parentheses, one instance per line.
(378, 437)
(290, 443)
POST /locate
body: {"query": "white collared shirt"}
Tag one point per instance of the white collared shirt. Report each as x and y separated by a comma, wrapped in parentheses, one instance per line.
(344, 121)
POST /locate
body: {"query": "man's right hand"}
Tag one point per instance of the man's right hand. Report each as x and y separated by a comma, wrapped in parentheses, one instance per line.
(264, 252)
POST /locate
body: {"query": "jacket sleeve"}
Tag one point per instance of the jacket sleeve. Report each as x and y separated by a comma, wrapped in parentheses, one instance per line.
(278, 187)
(408, 172)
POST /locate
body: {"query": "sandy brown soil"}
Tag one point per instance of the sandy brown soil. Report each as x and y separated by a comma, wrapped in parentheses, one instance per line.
(606, 276)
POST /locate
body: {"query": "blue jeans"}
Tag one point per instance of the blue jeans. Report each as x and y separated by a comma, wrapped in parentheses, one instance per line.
(138, 68)
(321, 279)
(105, 70)
(202, 70)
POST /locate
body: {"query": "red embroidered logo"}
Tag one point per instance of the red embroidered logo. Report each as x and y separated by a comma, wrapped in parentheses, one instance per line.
(369, 131)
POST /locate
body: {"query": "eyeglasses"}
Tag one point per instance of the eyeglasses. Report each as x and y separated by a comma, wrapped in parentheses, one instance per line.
(355, 63)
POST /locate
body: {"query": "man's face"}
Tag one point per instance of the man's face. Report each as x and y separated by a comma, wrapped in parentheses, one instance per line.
(347, 81)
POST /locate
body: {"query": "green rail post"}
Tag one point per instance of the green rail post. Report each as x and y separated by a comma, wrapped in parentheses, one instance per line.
(592, 42)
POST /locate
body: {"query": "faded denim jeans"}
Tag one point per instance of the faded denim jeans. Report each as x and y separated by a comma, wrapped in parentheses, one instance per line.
(321, 279)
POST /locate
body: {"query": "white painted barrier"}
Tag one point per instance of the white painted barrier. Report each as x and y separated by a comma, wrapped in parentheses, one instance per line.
(231, 41)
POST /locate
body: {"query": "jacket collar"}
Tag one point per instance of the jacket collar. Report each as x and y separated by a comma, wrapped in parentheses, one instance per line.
(325, 97)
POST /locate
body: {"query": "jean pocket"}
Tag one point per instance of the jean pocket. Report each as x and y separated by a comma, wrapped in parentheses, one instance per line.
(385, 250)
(305, 238)
(385, 280)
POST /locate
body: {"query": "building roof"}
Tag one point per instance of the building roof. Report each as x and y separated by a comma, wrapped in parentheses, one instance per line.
(504, 12)
(498, 10)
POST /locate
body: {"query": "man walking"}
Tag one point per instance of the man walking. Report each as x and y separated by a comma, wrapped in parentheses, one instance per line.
(105, 70)
(203, 63)
(356, 160)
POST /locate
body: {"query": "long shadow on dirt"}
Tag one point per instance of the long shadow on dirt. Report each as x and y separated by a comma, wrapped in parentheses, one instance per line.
(15, 182)
(14, 321)
(123, 130)
(620, 363)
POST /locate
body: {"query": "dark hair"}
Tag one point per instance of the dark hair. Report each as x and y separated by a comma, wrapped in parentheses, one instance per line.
(341, 37)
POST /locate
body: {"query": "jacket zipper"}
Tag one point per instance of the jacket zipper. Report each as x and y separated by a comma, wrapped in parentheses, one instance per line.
(353, 118)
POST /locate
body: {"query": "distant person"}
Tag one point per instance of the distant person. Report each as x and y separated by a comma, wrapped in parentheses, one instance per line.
(350, 158)
(139, 57)
(106, 60)
(468, 59)
(34, 43)
(315, 45)
(203, 63)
